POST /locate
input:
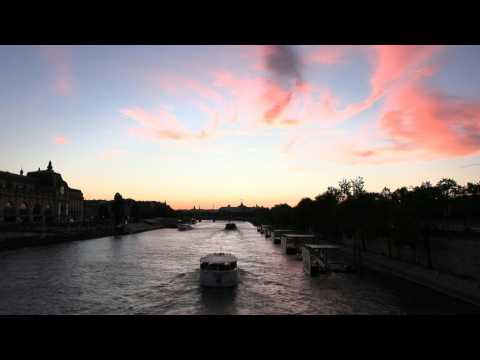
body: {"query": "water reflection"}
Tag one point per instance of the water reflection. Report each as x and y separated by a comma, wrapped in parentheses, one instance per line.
(157, 272)
(218, 301)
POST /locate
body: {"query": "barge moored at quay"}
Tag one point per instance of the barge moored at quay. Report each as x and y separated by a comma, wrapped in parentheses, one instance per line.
(292, 243)
(277, 234)
(317, 258)
(268, 232)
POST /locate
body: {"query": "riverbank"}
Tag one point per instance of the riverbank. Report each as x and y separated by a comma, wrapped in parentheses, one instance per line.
(16, 240)
(461, 288)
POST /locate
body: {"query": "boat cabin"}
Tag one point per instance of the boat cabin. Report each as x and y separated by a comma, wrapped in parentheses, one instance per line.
(218, 266)
(218, 262)
(219, 270)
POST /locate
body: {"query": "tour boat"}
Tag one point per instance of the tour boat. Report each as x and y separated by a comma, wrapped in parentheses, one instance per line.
(231, 226)
(183, 227)
(218, 270)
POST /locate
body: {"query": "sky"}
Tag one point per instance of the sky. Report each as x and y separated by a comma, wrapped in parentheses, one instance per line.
(208, 126)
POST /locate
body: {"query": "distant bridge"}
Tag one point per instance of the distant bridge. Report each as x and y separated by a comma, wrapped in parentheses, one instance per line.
(216, 215)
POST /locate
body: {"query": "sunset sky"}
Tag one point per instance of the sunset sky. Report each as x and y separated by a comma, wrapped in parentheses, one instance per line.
(213, 125)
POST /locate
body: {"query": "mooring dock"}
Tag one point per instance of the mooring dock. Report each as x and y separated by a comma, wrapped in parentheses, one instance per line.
(277, 234)
(292, 243)
(263, 228)
(316, 259)
(267, 231)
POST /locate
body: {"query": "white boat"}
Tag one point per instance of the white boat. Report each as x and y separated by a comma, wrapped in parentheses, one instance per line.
(183, 227)
(218, 270)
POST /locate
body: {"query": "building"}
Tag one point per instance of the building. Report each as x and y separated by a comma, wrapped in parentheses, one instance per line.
(41, 196)
(241, 209)
(103, 210)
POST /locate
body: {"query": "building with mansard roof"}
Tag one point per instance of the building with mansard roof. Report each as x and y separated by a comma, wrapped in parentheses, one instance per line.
(237, 209)
(41, 196)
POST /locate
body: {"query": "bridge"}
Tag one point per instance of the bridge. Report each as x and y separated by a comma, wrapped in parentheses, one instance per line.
(216, 215)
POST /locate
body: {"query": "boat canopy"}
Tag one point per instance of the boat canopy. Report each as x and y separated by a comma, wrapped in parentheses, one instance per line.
(322, 246)
(299, 235)
(218, 258)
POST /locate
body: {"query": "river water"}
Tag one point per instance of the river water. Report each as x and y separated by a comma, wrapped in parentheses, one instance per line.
(157, 272)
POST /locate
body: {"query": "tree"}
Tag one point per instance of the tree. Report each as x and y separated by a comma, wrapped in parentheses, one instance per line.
(406, 216)
(345, 188)
(325, 206)
(282, 215)
(386, 193)
(118, 208)
(448, 187)
(135, 211)
(304, 214)
(357, 186)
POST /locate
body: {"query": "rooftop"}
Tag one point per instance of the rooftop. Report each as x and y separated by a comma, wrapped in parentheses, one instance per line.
(218, 258)
(322, 246)
(299, 235)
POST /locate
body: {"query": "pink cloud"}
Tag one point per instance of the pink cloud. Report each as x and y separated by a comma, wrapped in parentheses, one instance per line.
(262, 100)
(413, 122)
(277, 100)
(244, 95)
(417, 124)
(327, 56)
(395, 62)
(393, 66)
(173, 83)
(164, 126)
(203, 90)
(59, 59)
(433, 122)
(60, 140)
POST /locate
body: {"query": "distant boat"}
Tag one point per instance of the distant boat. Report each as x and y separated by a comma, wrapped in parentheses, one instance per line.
(184, 227)
(218, 270)
(231, 226)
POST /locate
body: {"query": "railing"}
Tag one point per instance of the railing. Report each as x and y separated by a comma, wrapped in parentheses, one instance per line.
(456, 227)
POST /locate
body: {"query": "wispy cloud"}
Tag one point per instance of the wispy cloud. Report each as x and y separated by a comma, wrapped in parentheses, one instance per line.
(59, 59)
(327, 55)
(164, 126)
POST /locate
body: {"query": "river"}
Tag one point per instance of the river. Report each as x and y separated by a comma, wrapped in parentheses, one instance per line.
(157, 272)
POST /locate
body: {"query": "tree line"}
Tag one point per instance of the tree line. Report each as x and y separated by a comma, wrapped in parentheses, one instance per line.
(406, 215)
(120, 210)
